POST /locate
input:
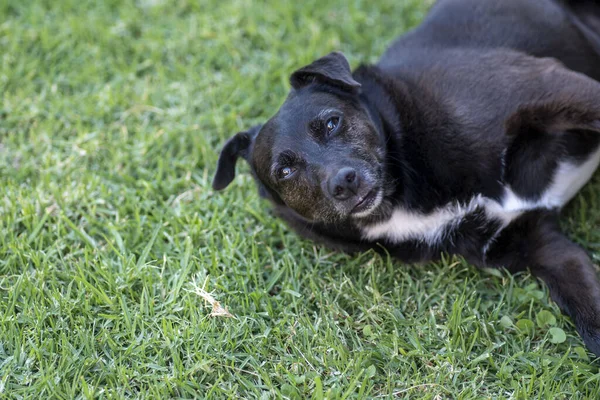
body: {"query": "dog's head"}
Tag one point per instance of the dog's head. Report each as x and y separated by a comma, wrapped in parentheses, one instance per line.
(322, 154)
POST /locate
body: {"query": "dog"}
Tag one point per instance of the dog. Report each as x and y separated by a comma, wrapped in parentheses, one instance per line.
(468, 137)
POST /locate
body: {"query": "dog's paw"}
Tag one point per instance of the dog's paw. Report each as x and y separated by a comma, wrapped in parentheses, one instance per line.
(591, 337)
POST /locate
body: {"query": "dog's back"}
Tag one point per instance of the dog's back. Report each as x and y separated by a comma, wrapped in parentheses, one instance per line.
(528, 26)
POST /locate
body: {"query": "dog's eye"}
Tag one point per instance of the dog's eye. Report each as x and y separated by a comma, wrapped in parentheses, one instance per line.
(285, 172)
(332, 124)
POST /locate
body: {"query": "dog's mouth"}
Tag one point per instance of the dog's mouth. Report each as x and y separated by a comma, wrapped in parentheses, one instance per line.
(367, 203)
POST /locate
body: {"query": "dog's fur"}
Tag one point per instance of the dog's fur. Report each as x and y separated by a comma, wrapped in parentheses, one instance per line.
(468, 137)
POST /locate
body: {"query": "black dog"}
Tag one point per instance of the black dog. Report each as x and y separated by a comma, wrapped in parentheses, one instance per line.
(468, 137)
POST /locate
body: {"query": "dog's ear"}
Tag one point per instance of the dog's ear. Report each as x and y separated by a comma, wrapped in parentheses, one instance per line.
(238, 146)
(333, 69)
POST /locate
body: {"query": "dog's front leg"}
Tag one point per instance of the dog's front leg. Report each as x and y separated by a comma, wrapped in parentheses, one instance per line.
(551, 98)
(535, 240)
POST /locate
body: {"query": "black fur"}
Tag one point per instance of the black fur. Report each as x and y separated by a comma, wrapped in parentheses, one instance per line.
(332, 69)
(483, 96)
(237, 146)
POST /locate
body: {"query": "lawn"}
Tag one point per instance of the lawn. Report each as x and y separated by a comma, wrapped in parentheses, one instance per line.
(113, 245)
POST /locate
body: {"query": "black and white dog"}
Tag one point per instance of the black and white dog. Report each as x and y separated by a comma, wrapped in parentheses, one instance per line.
(468, 137)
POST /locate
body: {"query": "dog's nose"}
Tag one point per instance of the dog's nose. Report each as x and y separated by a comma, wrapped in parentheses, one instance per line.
(344, 184)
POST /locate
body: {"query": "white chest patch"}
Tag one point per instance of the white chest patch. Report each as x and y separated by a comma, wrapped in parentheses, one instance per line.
(430, 228)
(404, 225)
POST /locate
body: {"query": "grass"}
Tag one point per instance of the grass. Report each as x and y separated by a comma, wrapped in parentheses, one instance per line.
(111, 239)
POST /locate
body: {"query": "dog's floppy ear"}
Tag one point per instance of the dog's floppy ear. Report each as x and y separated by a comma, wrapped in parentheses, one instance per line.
(333, 69)
(238, 146)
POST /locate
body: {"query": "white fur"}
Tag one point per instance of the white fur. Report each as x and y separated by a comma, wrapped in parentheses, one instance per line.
(568, 179)
(404, 225)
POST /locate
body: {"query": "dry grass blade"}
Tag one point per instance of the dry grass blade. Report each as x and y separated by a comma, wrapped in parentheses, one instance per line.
(217, 309)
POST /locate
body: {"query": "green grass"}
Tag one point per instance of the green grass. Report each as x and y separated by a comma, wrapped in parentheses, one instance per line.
(111, 116)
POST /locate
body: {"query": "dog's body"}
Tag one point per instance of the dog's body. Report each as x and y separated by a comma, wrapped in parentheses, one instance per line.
(467, 137)
(462, 45)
